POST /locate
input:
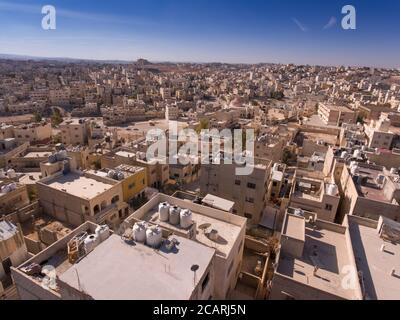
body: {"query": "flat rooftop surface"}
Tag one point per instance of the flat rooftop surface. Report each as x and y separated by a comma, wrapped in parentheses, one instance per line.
(218, 203)
(79, 186)
(376, 265)
(294, 227)
(329, 251)
(42, 154)
(116, 270)
(228, 232)
(126, 154)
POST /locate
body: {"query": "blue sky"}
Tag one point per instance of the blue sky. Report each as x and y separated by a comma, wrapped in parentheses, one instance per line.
(285, 31)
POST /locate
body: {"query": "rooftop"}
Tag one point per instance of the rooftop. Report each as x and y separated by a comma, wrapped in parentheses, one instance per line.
(138, 272)
(40, 154)
(229, 226)
(325, 247)
(78, 185)
(7, 230)
(376, 265)
(218, 203)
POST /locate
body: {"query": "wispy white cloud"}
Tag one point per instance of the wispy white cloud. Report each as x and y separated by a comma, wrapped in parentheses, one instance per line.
(331, 23)
(72, 14)
(301, 26)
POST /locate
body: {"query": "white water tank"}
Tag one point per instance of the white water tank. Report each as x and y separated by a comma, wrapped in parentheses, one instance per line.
(139, 232)
(103, 232)
(174, 215)
(357, 154)
(393, 171)
(61, 155)
(380, 179)
(186, 219)
(333, 190)
(91, 242)
(299, 212)
(154, 237)
(163, 210)
(11, 174)
(111, 174)
(344, 154)
(5, 189)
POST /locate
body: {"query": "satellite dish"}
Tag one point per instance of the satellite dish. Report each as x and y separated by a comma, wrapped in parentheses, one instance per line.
(194, 268)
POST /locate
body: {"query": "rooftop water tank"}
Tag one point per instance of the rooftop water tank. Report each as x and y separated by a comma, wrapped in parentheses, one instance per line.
(163, 210)
(53, 158)
(139, 232)
(120, 176)
(11, 174)
(357, 154)
(5, 189)
(186, 219)
(394, 171)
(299, 213)
(154, 237)
(333, 190)
(111, 174)
(344, 154)
(174, 215)
(380, 179)
(103, 232)
(61, 155)
(91, 242)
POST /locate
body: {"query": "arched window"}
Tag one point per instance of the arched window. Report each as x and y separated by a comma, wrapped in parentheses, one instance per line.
(115, 199)
(96, 209)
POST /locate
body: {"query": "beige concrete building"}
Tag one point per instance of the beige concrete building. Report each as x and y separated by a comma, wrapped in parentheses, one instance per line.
(157, 169)
(128, 270)
(213, 228)
(13, 249)
(33, 133)
(311, 192)
(9, 148)
(74, 132)
(376, 250)
(13, 196)
(74, 198)
(379, 134)
(248, 192)
(336, 115)
(370, 191)
(313, 261)
(186, 170)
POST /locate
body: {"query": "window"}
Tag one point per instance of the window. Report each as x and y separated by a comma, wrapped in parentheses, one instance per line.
(275, 184)
(205, 282)
(237, 182)
(328, 207)
(234, 211)
(131, 186)
(248, 216)
(251, 186)
(249, 200)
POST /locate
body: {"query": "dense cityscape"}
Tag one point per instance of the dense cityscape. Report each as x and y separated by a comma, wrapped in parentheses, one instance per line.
(86, 214)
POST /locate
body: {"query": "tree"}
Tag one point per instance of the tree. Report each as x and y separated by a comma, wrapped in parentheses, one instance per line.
(203, 125)
(56, 118)
(37, 117)
(360, 119)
